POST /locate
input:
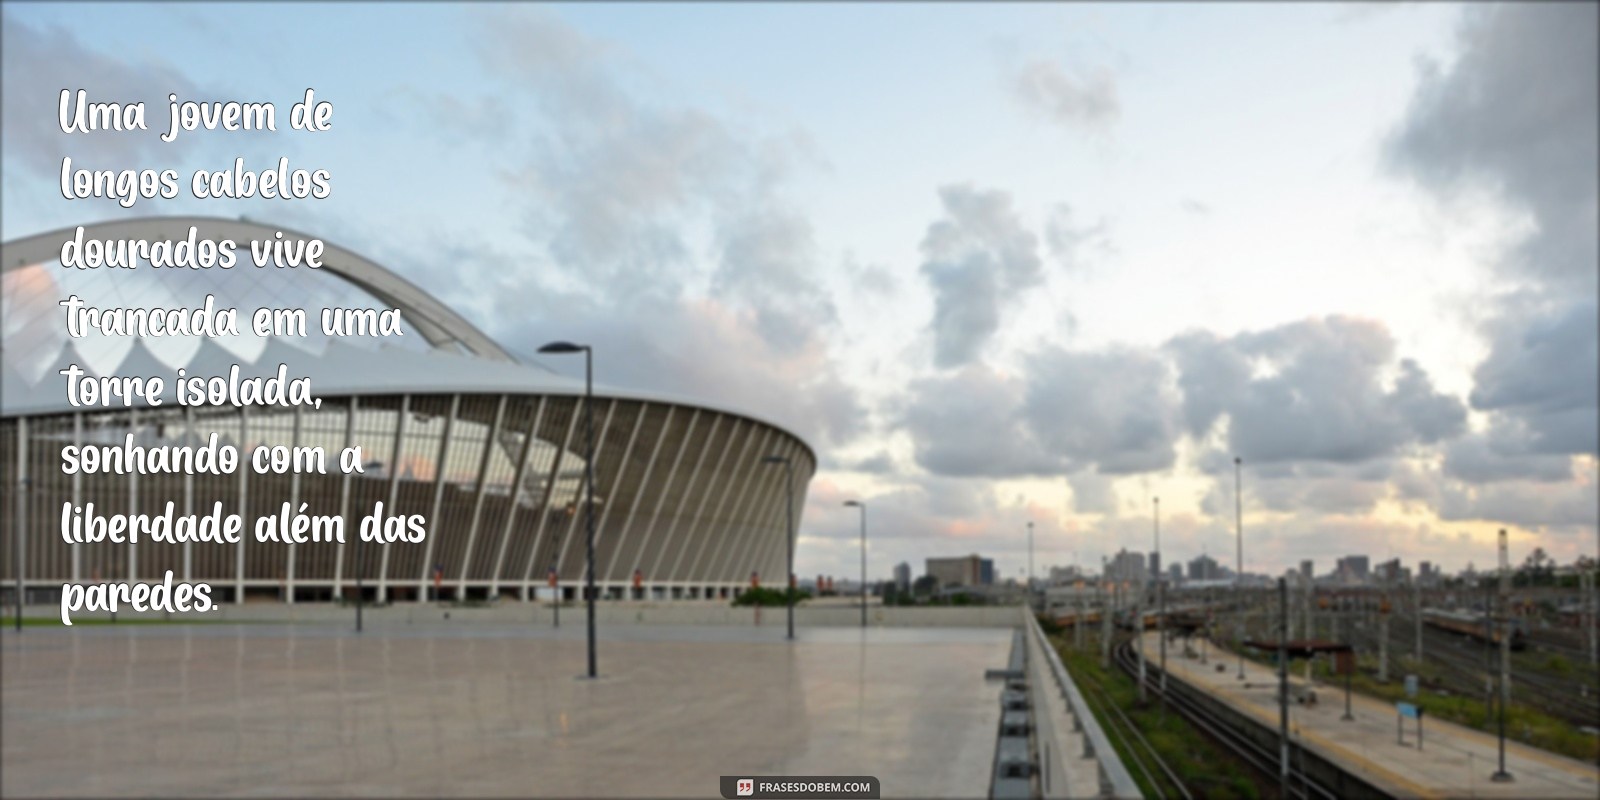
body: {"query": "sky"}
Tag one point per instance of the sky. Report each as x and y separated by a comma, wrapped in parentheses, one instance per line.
(997, 264)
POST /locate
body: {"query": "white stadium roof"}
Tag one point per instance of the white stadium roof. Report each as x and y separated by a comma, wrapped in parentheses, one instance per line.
(441, 353)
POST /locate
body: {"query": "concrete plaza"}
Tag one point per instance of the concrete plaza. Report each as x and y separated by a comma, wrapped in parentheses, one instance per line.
(491, 709)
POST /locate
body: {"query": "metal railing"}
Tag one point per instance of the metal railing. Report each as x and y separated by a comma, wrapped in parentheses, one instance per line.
(1113, 775)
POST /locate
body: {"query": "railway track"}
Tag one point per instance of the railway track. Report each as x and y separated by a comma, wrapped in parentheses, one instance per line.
(1264, 759)
(1146, 761)
(1466, 662)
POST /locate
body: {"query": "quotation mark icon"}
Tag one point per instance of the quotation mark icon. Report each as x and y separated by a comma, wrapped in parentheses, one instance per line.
(746, 787)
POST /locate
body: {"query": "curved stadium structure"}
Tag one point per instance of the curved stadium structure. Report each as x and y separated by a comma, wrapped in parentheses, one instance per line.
(451, 426)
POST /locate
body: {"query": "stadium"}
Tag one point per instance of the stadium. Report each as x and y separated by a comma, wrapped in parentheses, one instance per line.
(488, 447)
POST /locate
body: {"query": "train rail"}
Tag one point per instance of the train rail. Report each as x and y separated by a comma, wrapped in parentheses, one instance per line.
(1250, 751)
(1146, 760)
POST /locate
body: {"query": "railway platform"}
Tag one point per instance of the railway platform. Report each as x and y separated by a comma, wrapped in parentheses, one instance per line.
(1454, 761)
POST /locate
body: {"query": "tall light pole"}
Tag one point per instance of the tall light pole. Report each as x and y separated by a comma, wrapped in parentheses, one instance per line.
(1161, 608)
(1238, 521)
(564, 348)
(1030, 563)
(863, 507)
(788, 532)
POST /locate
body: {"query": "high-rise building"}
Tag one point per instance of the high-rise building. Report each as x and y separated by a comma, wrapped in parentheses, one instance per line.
(1355, 567)
(1155, 565)
(902, 576)
(1204, 568)
(1306, 569)
(1126, 566)
(986, 572)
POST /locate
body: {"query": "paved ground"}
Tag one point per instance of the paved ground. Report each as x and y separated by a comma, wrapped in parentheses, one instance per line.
(490, 710)
(1454, 761)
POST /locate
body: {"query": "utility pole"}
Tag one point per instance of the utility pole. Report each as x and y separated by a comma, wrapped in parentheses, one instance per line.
(1417, 610)
(1107, 608)
(1161, 609)
(1383, 639)
(1138, 640)
(1283, 687)
(1501, 775)
(1238, 578)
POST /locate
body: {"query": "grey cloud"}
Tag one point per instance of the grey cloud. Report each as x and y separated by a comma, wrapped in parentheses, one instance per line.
(1083, 99)
(968, 424)
(1210, 376)
(1317, 395)
(1107, 408)
(1431, 416)
(1542, 375)
(1517, 112)
(40, 62)
(1502, 453)
(1522, 503)
(1070, 411)
(977, 259)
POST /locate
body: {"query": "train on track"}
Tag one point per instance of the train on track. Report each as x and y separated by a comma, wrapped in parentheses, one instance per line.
(1477, 626)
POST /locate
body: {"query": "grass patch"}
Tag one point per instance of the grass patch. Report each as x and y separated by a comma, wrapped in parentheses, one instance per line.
(1204, 767)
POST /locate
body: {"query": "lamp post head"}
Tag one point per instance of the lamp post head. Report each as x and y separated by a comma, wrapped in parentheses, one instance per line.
(563, 347)
(1237, 461)
(855, 504)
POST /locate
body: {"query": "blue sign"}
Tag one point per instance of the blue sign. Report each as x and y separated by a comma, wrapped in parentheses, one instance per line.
(1407, 710)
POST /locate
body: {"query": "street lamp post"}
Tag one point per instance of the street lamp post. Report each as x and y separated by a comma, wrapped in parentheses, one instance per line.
(564, 348)
(1238, 578)
(863, 507)
(1161, 608)
(1030, 563)
(789, 533)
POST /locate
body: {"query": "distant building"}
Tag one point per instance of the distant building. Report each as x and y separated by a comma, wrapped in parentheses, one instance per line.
(960, 571)
(1307, 572)
(1126, 566)
(1155, 565)
(1204, 568)
(1175, 573)
(902, 576)
(986, 572)
(1354, 568)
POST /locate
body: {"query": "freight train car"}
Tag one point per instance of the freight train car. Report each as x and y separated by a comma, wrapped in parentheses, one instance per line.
(1476, 626)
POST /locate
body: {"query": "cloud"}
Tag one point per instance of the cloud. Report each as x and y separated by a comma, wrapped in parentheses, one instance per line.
(1502, 453)
(1081, 99)
(1107, 408)
(969, 424)
(978, 259)
(1310, 390)
(659, 232)
(40, 61)
(1542, 376)
(1518, 114)
(1068, 411)
(1092, 493)
(1074, 245)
